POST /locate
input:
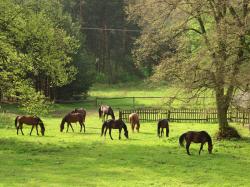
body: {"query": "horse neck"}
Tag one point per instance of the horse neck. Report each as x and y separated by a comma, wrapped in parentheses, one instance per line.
(112, 113)
(124, 127)
(209, 140)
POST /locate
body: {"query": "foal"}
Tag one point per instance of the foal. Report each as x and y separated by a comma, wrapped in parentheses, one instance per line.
(196, 137)
(161, 125)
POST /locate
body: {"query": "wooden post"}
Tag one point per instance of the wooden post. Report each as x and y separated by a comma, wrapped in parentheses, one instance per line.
(133, 102)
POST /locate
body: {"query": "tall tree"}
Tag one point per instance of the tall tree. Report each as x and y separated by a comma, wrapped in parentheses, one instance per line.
(211, 46)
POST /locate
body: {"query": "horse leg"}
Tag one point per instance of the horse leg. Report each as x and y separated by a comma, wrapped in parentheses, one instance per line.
(21, 128)
(162, 131)
(37, 131)
(110, 133)
(120, 133)
(67, 127)
(133, 127)
(71, 127)
(81, 127)
(201, 148)
(167, 132)
(187, 147)
(137, 127)
(17, 129)
(105, 131)
(32, 129)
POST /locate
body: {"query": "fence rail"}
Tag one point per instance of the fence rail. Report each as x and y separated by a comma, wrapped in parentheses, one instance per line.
(186, 115)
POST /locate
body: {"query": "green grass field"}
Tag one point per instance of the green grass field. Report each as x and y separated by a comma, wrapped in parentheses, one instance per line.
(78, 159)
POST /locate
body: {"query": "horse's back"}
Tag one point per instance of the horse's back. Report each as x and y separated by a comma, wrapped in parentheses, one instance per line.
(197, 136)
(29, 120)
(133, 117)
(163, 122)
(74, 117)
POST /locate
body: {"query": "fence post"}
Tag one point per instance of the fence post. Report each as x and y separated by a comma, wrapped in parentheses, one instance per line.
(169, 115)
(120, 114)
(133, 102)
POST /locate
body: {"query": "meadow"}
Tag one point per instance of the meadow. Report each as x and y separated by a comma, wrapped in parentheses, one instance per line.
(78, 159)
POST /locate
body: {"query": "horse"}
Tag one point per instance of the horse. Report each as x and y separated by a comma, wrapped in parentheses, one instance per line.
(161, 125)
(196, 137)
(80, 110)
(105, 110)
(114, 124)
(134, 120)
(29, 120)
(72, 118)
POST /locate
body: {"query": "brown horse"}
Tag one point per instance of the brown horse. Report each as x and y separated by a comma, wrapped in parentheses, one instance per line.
(161, 125)
(29, 120)
(72, 118)
(105, 111)
(82, 111)
(196, 137)
(134, 121)
(114, 124)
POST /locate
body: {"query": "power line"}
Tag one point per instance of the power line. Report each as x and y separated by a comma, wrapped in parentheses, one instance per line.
(111, 29)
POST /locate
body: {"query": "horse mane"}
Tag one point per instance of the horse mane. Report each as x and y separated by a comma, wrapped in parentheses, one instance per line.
(111, 112)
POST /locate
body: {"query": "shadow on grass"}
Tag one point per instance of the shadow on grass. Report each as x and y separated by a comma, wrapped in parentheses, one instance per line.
(103, 160)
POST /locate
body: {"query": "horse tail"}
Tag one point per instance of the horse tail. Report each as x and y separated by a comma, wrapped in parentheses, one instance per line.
(181, 139)
(62, 124)
(16, 121)
(100, 112)
(158, 128)
(103, 127)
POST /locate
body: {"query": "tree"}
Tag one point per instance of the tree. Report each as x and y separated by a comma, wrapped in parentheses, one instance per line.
(210, 46)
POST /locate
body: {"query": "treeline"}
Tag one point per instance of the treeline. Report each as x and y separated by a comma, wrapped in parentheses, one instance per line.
(57, 49)
(108, 36)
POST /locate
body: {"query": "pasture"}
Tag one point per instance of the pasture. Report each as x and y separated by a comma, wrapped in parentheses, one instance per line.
(78, 159)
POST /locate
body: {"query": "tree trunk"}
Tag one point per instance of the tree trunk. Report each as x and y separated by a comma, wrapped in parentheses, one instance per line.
(225, 131)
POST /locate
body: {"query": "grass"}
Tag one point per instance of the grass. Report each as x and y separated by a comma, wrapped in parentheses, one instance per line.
(77, 159)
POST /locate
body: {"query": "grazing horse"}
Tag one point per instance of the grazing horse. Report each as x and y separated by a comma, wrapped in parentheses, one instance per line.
(134, 120)
(196, 137)
(72, 118)
(114, 124)
(29, 120)
(82, 111)
(105, 111)
(161, 125)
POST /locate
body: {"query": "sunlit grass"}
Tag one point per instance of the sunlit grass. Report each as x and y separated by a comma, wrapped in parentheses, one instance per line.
(77, 159)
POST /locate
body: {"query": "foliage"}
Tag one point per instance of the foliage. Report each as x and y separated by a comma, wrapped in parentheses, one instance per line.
(209, 45)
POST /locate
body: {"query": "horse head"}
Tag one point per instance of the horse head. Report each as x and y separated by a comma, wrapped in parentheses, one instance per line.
(41, 124)
(210, 148)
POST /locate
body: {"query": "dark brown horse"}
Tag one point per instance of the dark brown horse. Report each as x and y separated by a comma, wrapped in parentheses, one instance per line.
(161, 125)
(196, 137)
(29, 120)
(82, 111)
(72, 118)
(114, 124)
(135, 122)
(105, 111)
